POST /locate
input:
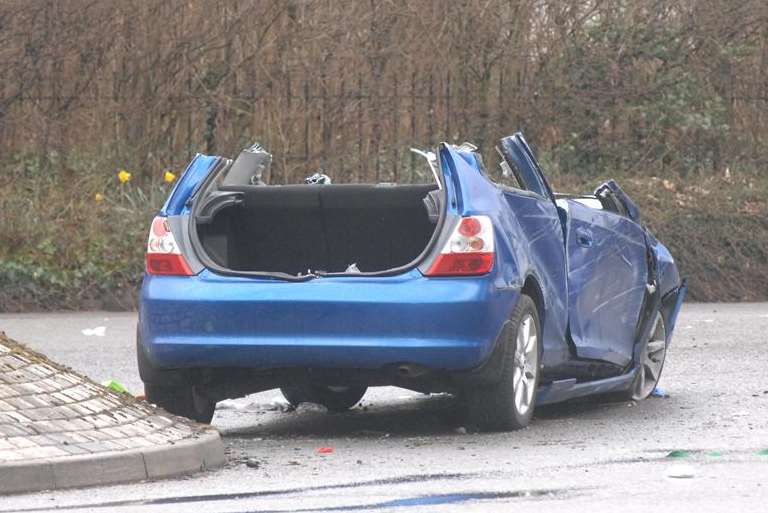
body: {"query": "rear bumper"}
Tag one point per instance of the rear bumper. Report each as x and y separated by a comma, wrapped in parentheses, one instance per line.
(210, 321)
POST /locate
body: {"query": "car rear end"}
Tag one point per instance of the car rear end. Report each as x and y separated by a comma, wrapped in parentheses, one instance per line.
(206, 324)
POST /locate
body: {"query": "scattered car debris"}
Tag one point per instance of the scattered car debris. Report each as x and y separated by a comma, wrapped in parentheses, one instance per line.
(98, 331)
(678, 454)
(231, 404)
(659, 392)
(681, 471)
(311, 408)
(278, 405)
(325, 450)
(115, 386)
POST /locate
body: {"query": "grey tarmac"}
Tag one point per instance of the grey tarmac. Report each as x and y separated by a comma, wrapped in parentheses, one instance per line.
(402, 451)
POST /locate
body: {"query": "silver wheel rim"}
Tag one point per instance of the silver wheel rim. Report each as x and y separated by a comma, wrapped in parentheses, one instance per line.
(652, 359)
(526, 364)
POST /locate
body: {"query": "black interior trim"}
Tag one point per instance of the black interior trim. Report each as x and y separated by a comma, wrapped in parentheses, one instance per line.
(301, 229)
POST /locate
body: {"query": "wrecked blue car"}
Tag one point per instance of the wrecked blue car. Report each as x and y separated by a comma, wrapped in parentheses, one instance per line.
(509, 296)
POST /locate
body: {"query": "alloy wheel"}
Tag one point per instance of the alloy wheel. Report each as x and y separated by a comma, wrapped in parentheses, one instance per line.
(652, 360)
(526, 365)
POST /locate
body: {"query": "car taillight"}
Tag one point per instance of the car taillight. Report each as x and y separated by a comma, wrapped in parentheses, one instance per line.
(469, 250)
(163, 254)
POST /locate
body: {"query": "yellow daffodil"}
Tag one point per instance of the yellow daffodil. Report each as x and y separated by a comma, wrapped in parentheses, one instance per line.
(169, 177)
(124, 176)
(98, 197)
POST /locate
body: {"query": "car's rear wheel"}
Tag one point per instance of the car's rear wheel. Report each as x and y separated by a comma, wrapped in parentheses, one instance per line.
(335, 398)
(182, 400)
(509, 403)
(652, 356)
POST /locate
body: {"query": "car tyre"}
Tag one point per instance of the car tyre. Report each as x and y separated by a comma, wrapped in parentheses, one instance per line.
(183, 400)
(509, 403)
(294, 395)
(653, 353)
(336, 399)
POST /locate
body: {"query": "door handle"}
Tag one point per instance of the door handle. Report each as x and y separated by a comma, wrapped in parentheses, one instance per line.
(584, 237)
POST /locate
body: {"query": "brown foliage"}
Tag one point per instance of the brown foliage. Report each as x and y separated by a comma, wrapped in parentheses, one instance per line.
(670, 85)
(672, 89)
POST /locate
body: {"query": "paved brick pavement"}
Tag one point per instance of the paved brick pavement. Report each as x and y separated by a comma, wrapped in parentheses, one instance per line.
(51, 417)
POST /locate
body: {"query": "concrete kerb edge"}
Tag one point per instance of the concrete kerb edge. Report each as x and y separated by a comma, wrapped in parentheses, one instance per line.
(204, 451)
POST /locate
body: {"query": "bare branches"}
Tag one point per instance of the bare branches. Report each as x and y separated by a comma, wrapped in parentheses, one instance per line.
(601, 83)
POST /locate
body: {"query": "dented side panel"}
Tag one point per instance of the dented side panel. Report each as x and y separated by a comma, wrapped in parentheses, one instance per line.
(607, 282)
(529, 242)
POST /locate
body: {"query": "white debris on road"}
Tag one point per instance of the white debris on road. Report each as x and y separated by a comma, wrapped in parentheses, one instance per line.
(98, 331)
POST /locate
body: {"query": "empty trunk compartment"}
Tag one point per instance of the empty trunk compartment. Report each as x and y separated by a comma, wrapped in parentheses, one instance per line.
(301, 229)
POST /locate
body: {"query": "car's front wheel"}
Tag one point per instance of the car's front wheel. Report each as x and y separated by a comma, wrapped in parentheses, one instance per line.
(652, 356)
(182, 400)
(336, 399)
(509, 403)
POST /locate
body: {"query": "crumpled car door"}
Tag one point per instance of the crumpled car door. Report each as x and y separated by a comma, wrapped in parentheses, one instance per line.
(607, 276)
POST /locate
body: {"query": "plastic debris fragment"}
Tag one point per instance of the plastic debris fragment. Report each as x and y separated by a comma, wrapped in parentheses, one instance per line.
(659, 392)
(98, 331)
(678, 454)
(681, 471)
(115, 386)
(764, 452)
(715, 454)
(325, 450)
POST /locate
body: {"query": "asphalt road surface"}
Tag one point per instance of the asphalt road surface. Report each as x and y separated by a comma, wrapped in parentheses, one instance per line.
(408, 452)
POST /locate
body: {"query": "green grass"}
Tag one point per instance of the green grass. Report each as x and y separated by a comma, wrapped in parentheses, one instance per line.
(62, 247)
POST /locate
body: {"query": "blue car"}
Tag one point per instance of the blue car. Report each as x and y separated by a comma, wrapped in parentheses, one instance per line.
(509, 296)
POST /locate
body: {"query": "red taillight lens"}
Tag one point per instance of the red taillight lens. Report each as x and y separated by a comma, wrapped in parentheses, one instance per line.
(466, 264)
(168, 263)
(469, 251)
(469, 226)
(163, 254)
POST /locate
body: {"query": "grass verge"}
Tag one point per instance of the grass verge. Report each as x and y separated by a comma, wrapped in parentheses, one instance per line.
(75, 239)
